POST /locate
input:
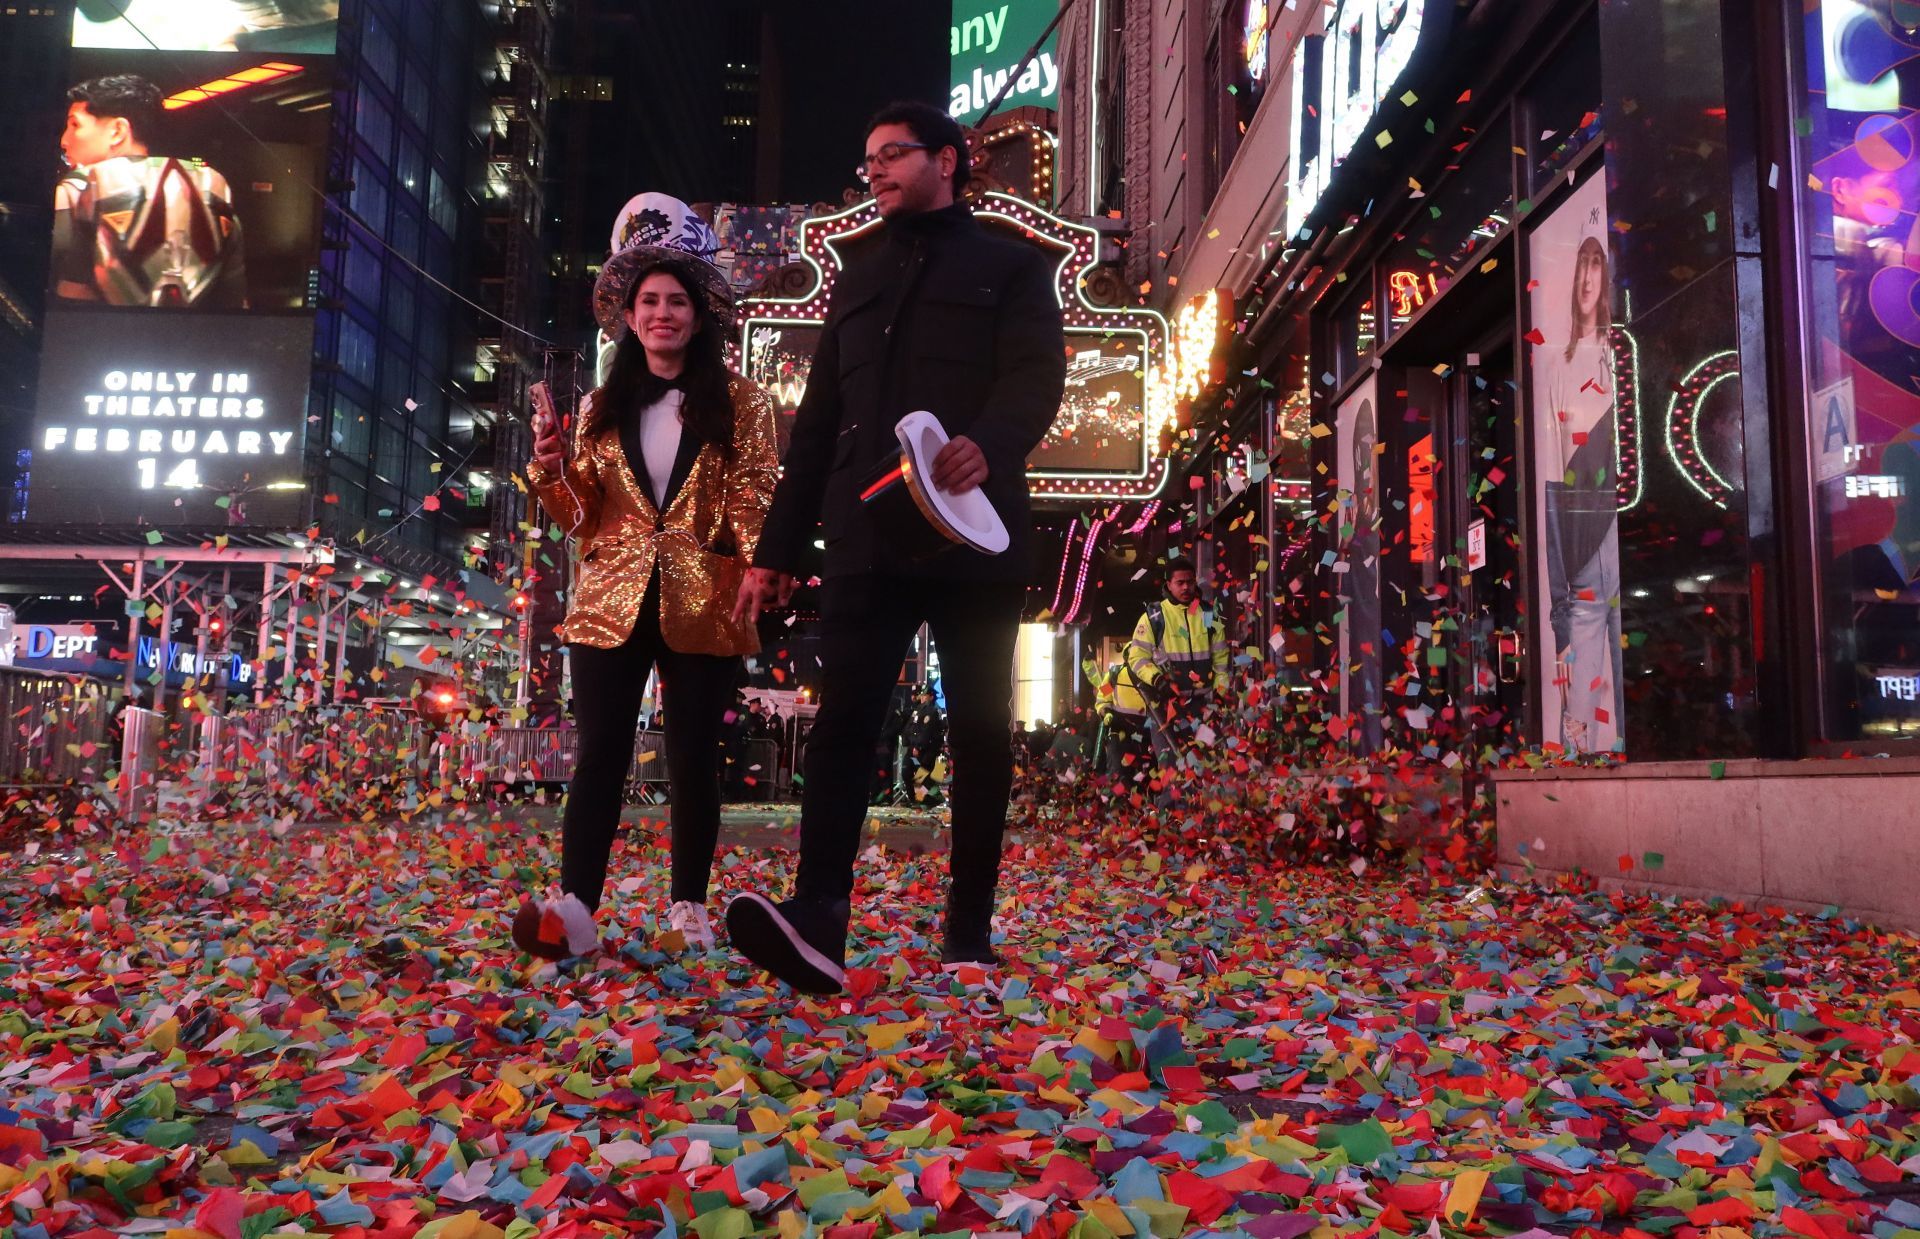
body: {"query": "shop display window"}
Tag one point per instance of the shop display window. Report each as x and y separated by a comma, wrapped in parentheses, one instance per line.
(1455, 222)
(1356, 329)
(1560, 114)
(1859, 132)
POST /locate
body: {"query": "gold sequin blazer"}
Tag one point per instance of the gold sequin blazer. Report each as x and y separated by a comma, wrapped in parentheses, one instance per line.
(703, 542)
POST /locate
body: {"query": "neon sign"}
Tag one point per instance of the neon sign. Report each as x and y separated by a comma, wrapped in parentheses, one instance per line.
(1119, 399)
(1409, 290)
(1253, 46)
(1341, 77)
(1199, 329)
(1683, 426)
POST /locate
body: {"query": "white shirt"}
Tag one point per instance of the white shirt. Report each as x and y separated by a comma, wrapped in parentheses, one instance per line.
(660, 442)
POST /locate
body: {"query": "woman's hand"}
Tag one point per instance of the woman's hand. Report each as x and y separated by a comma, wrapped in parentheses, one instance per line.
(760, 590)
(549, 449)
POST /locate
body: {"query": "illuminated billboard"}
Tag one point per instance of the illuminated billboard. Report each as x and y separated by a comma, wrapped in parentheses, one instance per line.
(165, 420)
(1106, 441)
(186, 229)
(985, 43)
(289, 26)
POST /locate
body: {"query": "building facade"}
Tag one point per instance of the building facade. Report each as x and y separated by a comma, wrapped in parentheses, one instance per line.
(1572, 347)
(364, 300)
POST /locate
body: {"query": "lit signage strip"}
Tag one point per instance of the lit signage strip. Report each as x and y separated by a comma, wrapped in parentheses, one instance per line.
(272, 71)
(1352, 68)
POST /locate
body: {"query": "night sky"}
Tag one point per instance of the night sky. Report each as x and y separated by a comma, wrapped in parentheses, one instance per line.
(842, 61)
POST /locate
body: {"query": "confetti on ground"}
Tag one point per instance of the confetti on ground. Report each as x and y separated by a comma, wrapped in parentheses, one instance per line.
(323, 1031)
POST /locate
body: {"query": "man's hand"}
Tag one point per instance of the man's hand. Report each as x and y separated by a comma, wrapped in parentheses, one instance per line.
(960, 466)
(760, 590)
(549, 450)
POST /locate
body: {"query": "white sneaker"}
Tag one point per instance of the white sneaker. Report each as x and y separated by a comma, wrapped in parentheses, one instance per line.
(555, 927)
(691, 920)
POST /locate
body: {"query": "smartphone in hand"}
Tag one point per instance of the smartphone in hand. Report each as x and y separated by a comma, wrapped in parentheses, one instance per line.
(545, 420)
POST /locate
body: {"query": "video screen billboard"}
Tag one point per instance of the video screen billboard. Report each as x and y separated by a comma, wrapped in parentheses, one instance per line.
(308, 26)
(163, 420)
(1102, 426)
(179, 336)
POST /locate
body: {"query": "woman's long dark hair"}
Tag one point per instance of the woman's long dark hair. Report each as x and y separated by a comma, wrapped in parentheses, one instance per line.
(1591, 251)
(631, 386)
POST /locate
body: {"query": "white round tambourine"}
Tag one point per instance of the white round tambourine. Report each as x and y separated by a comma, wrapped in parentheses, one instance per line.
(906, 486)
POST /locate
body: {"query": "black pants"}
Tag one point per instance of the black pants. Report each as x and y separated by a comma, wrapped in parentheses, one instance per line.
(866, 625)
(1126, 738)
(607, 687)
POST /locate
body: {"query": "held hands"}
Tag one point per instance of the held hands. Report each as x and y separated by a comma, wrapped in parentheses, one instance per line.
(960, 466)
(762, 589)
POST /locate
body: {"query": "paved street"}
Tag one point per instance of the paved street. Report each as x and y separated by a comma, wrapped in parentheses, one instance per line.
(324, 1031)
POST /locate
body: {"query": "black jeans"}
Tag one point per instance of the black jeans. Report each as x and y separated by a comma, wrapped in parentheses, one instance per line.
(866, 625)
(607, 687)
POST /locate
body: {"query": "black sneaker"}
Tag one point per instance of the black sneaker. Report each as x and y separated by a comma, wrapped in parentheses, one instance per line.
(968, 932)
(961, 954)
(802, 942)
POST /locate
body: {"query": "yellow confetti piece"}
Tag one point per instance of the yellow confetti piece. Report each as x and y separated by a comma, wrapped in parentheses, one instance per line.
(1383, 139)
(165, 1037)
(1464, 1199)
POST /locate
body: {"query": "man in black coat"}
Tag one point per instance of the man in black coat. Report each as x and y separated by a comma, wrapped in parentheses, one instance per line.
(948, 318)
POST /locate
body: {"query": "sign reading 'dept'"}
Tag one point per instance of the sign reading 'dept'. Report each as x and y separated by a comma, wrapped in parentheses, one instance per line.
(985, 43)
(165, 419)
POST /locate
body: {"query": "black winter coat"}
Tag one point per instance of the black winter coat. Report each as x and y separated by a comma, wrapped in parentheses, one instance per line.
(944, 317)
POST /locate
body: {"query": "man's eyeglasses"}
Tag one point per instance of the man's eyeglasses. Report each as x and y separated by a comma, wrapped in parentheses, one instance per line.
(885, 157)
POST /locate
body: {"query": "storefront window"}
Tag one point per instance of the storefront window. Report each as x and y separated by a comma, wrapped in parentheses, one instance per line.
(1691, 584)
(1355, 326)
(1860, 143)
(1562, 110)
(1454, 223)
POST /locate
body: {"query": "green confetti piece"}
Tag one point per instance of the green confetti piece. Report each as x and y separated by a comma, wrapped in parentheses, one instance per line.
(1364, 1142)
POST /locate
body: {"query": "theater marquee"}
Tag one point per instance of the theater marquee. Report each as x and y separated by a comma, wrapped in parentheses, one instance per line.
(1107, 441)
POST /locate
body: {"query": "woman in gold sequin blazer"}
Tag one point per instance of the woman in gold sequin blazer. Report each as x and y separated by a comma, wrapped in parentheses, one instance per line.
(670, 473)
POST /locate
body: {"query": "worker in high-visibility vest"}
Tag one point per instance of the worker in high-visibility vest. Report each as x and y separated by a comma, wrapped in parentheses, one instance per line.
(1178, 655)
(1122, 705)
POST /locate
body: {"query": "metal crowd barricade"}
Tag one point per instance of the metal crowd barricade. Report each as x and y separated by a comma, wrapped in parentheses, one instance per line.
(53, 729)
(141, 734)
(314, 761)
(647, 777)
(533, 754)
(761, 759)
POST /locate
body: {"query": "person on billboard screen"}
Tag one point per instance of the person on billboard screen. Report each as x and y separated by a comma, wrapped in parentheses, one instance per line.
(135, 228)
(663, 483)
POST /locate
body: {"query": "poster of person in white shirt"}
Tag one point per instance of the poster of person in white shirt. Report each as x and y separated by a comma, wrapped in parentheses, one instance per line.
(1576, 455)
(1358, 590)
